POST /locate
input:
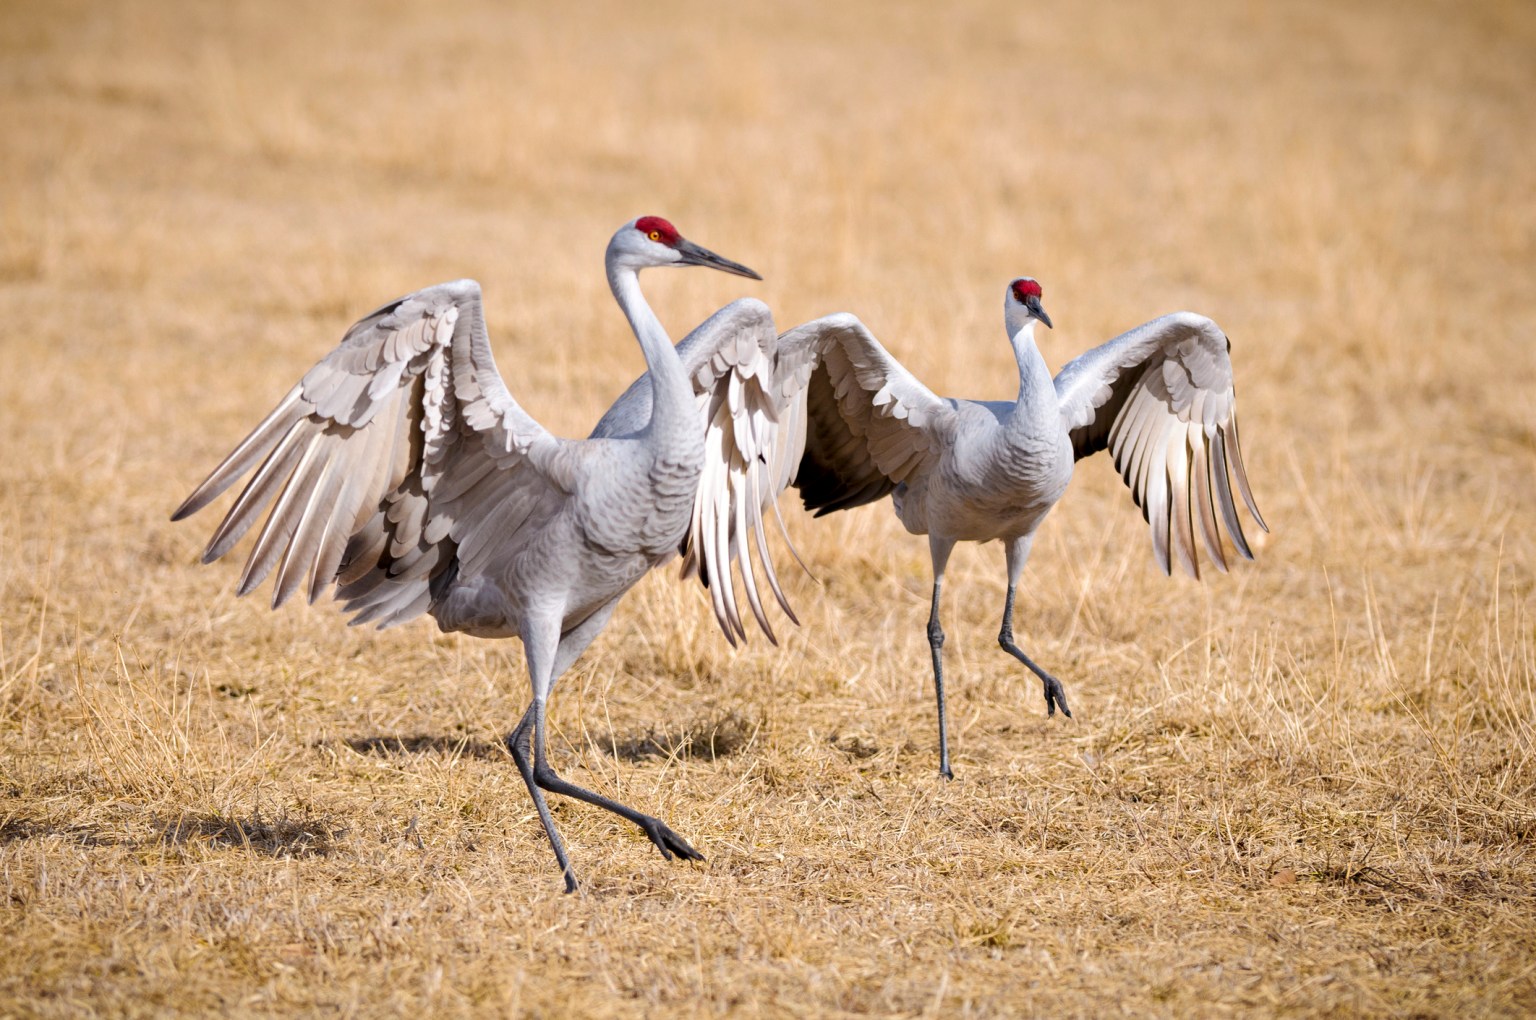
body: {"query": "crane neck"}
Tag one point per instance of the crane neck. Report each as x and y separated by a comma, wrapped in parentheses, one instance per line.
(1035, 387)
(671, 396)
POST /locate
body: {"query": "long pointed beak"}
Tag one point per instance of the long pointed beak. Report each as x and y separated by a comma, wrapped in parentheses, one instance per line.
(694, 255)
(1038, 311)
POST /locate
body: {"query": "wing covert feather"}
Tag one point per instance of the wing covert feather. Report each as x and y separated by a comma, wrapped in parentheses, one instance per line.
(870, 424)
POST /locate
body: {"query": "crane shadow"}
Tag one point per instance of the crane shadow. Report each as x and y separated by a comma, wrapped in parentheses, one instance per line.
(17, 830)
(282, 837)
(714, 736)
(278, 837)
(391, 747)
(707, 739)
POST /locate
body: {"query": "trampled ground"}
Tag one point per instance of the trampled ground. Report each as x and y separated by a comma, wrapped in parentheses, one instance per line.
(1306, 786)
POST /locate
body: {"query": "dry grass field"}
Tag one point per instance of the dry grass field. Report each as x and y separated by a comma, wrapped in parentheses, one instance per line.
(1304, 787)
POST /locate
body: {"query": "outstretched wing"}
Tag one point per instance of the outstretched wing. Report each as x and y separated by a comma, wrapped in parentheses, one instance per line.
(870, 424)
(366, 463)
(1160, 399)
(730, 360)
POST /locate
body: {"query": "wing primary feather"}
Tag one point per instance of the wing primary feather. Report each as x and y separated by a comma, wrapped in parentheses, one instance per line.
(327, 553)
(261, 441)
(342, 510)
(720, 567)
(299, 559)
(278, 531)
(247, 507)
(705, 549)
(352, 510)
(790, 545)
(744, 551)
(1225, 501)
(1143, 446)
(1199, 475)
(759, 497)
(1242, 473)
(768, 568)
(1156, 505)
(1136, 461)
(1182, 528)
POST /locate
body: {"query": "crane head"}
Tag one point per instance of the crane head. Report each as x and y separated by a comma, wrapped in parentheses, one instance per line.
(653, 241)
(1025, 294)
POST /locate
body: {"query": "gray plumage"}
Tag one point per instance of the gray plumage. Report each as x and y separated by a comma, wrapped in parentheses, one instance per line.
(402, 470)
(755, 429)
(1159, 398)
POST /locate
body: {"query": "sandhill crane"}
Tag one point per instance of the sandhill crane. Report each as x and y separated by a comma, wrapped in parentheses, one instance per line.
(1159, 398)
(402, 469)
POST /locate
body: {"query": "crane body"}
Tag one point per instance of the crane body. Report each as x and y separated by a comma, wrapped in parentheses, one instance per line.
(402, 470)
(1159, 398)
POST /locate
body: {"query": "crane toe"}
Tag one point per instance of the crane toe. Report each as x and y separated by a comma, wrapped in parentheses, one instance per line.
(668, 842)
(1055, 694)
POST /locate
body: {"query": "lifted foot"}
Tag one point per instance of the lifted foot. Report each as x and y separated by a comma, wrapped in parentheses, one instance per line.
(1055, 695)
(668, 842)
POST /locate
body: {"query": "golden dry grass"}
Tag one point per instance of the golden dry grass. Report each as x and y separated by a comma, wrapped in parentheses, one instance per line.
(1304, 787)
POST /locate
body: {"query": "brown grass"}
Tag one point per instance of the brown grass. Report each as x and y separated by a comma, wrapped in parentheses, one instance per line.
(1304, 787)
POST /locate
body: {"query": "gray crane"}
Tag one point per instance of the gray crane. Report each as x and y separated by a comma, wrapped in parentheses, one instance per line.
(1158, 397)
(401, 469)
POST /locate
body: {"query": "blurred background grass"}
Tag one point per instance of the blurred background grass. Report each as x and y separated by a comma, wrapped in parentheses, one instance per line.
(1304, 786)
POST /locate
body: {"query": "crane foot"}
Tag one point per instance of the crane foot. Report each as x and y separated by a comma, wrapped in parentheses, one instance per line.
(1055, 694)
(668, 842)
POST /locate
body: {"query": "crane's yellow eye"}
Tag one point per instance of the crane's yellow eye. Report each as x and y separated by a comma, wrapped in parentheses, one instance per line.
(655, 235)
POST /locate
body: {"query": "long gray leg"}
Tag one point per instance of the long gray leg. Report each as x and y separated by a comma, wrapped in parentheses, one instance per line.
(1055, 694)
(939, 549)
(668, 842)
(540, 640)
(570, 647)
